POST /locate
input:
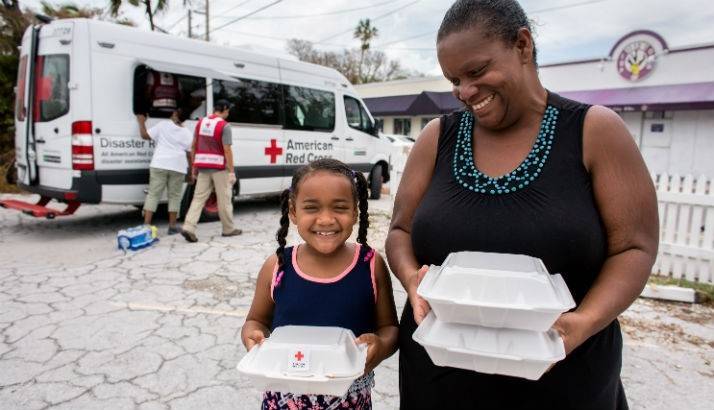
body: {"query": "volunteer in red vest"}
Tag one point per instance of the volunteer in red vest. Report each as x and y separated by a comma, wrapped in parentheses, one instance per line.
(212, 168)
(164, 91)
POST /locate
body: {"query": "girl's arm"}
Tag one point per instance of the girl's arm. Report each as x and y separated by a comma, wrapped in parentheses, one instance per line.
(382, 343)
(627, 201)
(260, 316)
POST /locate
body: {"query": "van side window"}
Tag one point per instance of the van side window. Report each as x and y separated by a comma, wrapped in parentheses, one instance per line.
(158, 94)
(357, 116)
(20, 108)
(51, 99)
(254, 102)
(309, 109)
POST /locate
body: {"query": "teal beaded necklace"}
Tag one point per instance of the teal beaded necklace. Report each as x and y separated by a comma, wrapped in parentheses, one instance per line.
(469, 177)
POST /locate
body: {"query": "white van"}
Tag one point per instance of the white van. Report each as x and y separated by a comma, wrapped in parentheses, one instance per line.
(81, 82)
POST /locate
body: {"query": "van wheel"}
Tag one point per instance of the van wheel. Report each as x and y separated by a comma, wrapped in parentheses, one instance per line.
(375, 182)
(210, 208)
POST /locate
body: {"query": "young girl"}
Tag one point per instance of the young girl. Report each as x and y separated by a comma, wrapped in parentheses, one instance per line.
(325, 281)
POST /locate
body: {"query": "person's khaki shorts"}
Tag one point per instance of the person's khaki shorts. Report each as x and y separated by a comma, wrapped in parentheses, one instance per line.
(160, 179)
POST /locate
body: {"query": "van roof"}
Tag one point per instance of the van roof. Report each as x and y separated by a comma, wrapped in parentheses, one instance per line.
(198, 47)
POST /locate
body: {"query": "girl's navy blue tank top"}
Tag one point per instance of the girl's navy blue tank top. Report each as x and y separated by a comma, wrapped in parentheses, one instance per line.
(347, 300)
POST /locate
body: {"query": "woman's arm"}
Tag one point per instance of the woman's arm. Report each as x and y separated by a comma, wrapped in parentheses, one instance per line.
(141, 119)
(383, 342)
(417, 175)
(257, 323)
(627, 202)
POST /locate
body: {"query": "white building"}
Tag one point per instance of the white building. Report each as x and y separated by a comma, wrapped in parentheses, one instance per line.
(665, 96)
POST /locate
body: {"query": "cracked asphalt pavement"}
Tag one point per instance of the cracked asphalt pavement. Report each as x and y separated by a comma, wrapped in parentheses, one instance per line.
(86, 326)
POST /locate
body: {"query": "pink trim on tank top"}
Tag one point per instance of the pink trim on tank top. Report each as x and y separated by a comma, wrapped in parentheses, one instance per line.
(324, 280)
(272, 281)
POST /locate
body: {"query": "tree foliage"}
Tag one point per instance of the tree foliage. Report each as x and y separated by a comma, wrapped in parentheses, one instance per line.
(358, 65)
(115, 6)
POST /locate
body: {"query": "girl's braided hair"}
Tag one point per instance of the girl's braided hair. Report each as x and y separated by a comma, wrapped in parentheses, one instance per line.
(359, 193)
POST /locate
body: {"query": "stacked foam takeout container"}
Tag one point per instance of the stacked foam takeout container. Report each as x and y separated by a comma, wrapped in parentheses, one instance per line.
(306, 360)
(492, 313)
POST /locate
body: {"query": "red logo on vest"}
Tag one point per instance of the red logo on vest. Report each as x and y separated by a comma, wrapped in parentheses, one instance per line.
(274, 151)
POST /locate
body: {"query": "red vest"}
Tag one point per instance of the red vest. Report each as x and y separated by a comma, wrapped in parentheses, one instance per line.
(209, 143)
(164, 91)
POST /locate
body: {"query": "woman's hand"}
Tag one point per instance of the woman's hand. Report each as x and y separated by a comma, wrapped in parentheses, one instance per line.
(574, 328)
(420, 306)
(254, 337)
(375, 350)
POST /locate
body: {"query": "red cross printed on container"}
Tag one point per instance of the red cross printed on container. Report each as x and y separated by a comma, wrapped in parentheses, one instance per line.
(299, 356)
(273, 151)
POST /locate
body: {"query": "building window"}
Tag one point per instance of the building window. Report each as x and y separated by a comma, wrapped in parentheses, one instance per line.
(425, 120)
(403, 126)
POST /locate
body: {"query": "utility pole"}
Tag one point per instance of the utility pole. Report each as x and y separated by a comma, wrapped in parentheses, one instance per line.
(208, 38)
(190, 33)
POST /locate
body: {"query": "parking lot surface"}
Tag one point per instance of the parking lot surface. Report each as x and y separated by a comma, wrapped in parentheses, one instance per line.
(86, 326)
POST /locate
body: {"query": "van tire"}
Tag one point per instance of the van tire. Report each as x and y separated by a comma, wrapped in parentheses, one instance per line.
(375, 182)
(207, 215)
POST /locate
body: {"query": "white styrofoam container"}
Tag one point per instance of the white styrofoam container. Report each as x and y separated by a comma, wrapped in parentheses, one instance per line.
(496, 290)
(306, 360)
(510, 352)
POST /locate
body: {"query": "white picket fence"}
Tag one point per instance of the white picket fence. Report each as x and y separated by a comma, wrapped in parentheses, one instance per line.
(686, 218)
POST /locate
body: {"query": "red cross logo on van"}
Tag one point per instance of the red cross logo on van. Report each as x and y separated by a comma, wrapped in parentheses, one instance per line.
(299, 356)
(274, 151)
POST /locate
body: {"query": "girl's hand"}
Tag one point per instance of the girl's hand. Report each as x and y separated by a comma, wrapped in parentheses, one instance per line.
(254, 337)
(573, 328)
(374, 350)
(419, 305)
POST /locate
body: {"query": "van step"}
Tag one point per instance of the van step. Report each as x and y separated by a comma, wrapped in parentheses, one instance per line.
(39, 209)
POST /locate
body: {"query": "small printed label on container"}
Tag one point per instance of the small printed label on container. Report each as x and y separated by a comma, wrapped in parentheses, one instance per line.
(299, 360)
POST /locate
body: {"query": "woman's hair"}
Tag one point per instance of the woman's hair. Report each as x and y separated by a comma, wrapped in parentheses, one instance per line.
(359, 194)
(500, 18)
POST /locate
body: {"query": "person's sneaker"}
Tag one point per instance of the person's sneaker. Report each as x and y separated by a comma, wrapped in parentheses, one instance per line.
(234, 232)
(189, 236)
(173, 230)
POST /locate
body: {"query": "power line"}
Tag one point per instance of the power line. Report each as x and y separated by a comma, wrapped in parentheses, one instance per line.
(329, 13)
(235, 7)
(278, 38)
(373, 19)
(545, 10)
(247, 15)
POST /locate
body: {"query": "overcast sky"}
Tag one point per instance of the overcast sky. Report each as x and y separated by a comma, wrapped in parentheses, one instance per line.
(565, 29)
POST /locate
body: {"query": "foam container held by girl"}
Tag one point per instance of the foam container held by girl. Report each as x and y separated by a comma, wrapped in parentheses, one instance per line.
(496, 290)
(306, 360)
(509, 352)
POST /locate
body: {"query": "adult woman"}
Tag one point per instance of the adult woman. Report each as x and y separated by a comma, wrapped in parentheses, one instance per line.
(522, 170)
(169, 164)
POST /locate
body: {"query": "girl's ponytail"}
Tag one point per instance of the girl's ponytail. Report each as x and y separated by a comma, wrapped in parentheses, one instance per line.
(284, 225)
(362, 194)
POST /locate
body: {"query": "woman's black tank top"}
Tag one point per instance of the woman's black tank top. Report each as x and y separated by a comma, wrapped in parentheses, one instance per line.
(552, 216)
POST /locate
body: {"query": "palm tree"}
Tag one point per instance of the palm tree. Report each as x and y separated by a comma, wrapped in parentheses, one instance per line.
(69, 11)
(365, 32)
(115, 5)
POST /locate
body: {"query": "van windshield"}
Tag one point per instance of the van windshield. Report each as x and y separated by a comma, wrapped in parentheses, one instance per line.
(51, 99)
